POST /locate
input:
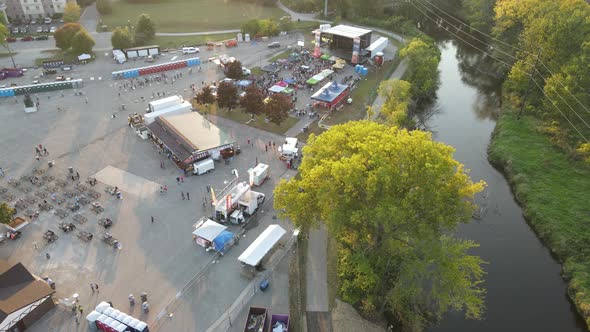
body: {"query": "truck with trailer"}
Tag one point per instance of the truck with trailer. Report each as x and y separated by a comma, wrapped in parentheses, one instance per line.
(279, 323)
(238, 204)
(290, 149)
(142, 51)
(257, 320)
(159, 104)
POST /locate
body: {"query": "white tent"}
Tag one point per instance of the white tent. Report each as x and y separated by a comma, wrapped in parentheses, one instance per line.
(208, 229)
(262, 245)
(276, 88)
(84, 56)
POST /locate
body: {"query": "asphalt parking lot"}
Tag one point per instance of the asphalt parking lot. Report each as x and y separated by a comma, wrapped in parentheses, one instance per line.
(157, 258)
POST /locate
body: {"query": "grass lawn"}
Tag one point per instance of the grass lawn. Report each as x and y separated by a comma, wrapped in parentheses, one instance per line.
(364, 94)
(242, 117)
(313, 129)
(257, 71)
(190, 15)
(6, 55)
(282, 55)
(178, 41)
(553, 190)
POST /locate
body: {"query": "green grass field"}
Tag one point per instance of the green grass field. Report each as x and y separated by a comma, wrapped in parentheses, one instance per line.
(179, 41)
(554, 192)
(190, 15)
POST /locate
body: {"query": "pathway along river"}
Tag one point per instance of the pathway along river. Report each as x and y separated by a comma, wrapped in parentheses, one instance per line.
(525, 291)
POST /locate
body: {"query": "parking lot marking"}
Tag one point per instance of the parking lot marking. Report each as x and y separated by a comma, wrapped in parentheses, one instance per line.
(174, 58)
(127, 182)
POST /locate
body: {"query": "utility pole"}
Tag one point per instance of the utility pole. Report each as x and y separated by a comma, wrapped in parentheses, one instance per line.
(528, 89)
(325, 8)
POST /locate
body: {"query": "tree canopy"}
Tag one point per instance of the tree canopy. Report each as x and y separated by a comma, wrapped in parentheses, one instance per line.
(104, 7)
(205, 96)
(227, 95)
(253, 100)
(398, 97)
(4, 33)
(145, 30)
(390, 198)
(277, 108)
(71, 12)
(423, 57)
(234, 70)
(82, 42)
(261, 28)
(122, 38)
(65, 34)
(6, 213)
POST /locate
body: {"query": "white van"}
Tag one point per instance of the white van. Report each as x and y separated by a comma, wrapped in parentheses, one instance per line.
(119, 56)
(203, 166)
(189, 50)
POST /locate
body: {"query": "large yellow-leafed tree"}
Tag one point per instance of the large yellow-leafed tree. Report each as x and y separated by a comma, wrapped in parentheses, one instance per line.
(391, 198)
(71, 12)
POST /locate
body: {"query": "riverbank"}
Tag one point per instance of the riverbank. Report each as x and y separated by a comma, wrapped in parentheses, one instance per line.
(554, 193)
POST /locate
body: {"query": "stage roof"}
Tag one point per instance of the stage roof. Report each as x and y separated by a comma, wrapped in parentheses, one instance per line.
(329, 92)
(347, 31)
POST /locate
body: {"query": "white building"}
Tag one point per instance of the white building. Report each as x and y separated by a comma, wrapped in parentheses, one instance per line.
(25, 10)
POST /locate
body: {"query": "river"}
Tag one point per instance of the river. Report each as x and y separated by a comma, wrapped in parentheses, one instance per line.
(525, 291)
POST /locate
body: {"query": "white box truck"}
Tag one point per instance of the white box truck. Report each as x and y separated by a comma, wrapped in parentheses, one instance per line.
(119, 56)
(289, 149)
(203, 166)
(259, 174)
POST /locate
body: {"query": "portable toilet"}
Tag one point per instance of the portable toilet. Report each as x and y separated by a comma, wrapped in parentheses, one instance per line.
(379, 58)
(240, 37)
(247, 38)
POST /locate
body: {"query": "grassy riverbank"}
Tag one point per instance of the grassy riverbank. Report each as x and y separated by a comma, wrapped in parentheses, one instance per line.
(554, 192)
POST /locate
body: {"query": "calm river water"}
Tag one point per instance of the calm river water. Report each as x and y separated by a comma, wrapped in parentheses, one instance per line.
(524, 289)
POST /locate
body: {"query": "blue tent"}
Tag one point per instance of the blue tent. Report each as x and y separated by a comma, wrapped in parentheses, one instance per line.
(222, 240)
(244, 83)
(289, 80)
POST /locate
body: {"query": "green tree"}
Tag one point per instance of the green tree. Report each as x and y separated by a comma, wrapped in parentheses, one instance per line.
(423, 57)
(480, 14)
(252, 27)
(390, 198)
(64, 35)
(277, 108)
(145, 30)
(6, 213)
(71, 12)
(253, 100)
(122, 38)
(234, 70)
(104, 7)
(82, 42)
(398, 97)
(205, 96)
(227, 95)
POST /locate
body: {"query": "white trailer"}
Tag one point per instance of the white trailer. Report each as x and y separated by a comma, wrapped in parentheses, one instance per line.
(203, 166)
(183, 107)
(159, 104)
(228, 203)
(378, 46)
(259, 174)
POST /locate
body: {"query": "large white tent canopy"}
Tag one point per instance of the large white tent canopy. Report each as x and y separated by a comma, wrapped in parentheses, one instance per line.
(262, 245)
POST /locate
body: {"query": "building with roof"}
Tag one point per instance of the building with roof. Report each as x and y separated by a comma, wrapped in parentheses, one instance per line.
(24, 298)
(345, 41)
(331, 94)
(189, 137)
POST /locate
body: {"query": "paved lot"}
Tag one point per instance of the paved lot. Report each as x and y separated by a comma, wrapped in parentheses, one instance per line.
(157, 258)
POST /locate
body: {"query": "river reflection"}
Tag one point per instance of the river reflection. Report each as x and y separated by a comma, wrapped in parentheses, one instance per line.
(525, 290)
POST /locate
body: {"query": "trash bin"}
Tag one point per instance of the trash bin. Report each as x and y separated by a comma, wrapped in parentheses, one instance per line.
(264, 284)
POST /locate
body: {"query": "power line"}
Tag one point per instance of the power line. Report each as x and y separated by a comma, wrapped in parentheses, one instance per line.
(502, 42)
(508, 65)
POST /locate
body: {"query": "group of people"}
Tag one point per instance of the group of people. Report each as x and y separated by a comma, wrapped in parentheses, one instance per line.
(40, 151)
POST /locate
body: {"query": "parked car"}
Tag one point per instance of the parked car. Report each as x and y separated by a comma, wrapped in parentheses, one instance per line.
(15, 30)
(33, 21)
(149, 59)
(52, 30)
(60, 78)
(24, 30)
(46, 29)
(47, 20)
(10, 39)
(39, 29)
(41, 37)
(231, 43)
(189, 50)
(274, 45)
(27, 38)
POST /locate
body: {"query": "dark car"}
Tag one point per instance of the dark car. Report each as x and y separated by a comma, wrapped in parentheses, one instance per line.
(274, 45)
(10, 39)
(27, 38)
(41, 38)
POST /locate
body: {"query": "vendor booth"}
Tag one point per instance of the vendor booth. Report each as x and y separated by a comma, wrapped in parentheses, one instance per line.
(263, 244)
(331, 94)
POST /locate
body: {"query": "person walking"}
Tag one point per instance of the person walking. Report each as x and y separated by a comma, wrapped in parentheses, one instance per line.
(47, 255)
(182, 194)
(96, 287)
(178, 180)
(182, 178)
(81, 310)
(92, 287)
(76, 319)
(45, 152)
(35, 245)
(188, 196)
(152, 219)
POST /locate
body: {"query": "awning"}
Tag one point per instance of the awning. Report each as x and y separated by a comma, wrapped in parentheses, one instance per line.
(220, 241)
(338, 65)
(208, 229)
(325, 57)
(334, 58)
(244, 83)
(327, 72)
(283, 84)
(276, 88)
(289, 81)
(287, 91)
(312, 81)
(262, 245)
(84, 56)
